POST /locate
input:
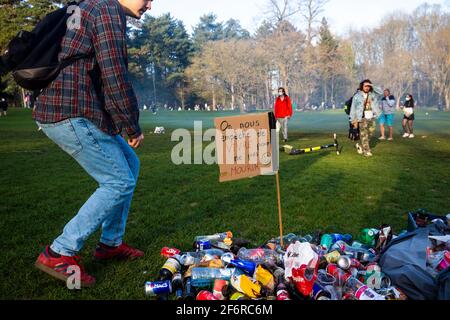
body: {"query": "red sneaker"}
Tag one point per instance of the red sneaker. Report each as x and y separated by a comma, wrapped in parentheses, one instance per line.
(122, 252)
(57, 267)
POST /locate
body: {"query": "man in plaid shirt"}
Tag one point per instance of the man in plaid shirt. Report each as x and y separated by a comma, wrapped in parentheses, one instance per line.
(85, 111)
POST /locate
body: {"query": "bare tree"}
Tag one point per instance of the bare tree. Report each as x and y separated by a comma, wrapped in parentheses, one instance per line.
(281, 10)
(311, 11)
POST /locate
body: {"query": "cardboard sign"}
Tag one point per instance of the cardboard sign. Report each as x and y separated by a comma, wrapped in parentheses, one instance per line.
(246, 146)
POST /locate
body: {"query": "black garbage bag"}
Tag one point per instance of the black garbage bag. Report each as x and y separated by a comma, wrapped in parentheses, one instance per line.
(405, 261)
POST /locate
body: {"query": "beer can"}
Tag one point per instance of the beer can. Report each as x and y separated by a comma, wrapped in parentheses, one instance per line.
(202, 245)
(153, 289)
(206, 296)
(169, 252)
(333, 257)
(344, 262)
(219, 285)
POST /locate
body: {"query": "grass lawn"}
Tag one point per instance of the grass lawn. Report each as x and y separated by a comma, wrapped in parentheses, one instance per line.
(42, 188)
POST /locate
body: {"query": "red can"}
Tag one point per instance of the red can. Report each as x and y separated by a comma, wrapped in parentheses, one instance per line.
(337, 273)
(206, 296)
(356, 264)
(169, 252)
(218, 288)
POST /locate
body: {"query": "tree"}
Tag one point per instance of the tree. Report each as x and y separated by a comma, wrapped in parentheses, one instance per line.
(234, 30)
(16, 15)
(328, 54)
(208, 29)
(281, 10)
(159, 53)
(310, 11)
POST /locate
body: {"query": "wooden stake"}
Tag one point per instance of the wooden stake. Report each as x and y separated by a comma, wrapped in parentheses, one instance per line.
(279, 210)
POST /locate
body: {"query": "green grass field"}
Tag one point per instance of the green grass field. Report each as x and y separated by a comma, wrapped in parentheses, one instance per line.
(42, 188)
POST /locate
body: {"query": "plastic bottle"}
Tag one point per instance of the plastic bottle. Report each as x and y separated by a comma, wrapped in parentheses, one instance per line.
(357, 253)
(204, 277)
(215, 237)
(260, 256)
(361, 291)
(189, 292)
(171, 267)
(177, 285)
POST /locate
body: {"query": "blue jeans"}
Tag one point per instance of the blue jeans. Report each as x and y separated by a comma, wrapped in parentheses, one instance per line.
(114, 165)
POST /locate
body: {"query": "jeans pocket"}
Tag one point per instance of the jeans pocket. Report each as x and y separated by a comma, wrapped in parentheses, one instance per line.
(64, 135)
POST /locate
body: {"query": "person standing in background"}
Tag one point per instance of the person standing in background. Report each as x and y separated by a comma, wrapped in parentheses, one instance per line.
(283, 111)
(387, 117)
(409, 117)
(3, 107)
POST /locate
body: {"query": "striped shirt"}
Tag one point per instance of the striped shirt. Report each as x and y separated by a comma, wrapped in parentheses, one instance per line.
(97, 88)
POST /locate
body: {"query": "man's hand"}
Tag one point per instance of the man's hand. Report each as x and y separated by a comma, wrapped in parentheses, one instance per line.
(136, 142)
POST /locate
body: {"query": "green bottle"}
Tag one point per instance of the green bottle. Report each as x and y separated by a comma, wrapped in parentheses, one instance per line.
(326, 241)
(368, 237)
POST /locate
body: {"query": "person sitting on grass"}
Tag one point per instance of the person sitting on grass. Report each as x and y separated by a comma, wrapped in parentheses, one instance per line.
(363, 114)
(85, 111)
(387, 117)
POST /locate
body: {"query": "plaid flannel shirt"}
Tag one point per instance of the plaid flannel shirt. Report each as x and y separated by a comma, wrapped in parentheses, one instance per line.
(98, 87)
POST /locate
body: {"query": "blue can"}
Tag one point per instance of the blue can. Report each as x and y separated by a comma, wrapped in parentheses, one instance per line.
(320, 293)
(202, 245)
(158, 288)
(247, 267)
(341, 237)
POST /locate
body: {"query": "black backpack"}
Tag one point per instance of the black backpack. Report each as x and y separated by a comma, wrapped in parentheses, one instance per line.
(348, 105)
(32, 57)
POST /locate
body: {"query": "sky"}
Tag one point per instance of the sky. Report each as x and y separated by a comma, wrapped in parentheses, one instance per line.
(341, 14)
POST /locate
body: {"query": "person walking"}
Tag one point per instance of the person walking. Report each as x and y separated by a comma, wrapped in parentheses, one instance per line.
(409, 117)
(3, 107)
(387, 116)
(283, 111)
(85, 111)
(363, 114)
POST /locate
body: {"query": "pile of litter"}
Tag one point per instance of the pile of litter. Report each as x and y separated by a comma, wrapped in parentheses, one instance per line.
(310, 267)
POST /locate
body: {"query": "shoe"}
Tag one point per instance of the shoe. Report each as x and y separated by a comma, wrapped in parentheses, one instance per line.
(368, 154)
(411, 136)
(391, 139)
(359, 148)
(406, 135)
(122, 252)
(382, 138)
(57, 267)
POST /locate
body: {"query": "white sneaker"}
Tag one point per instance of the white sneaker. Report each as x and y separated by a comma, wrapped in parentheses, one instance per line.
(382, 138)
(411, 136)
(391, 139)
(368, 154)
(359, 148)
(406, 135)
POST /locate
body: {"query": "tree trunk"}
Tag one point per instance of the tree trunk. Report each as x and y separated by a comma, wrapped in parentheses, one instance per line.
(233, 98)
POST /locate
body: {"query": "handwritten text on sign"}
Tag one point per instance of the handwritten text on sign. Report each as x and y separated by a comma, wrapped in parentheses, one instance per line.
(244, 148)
